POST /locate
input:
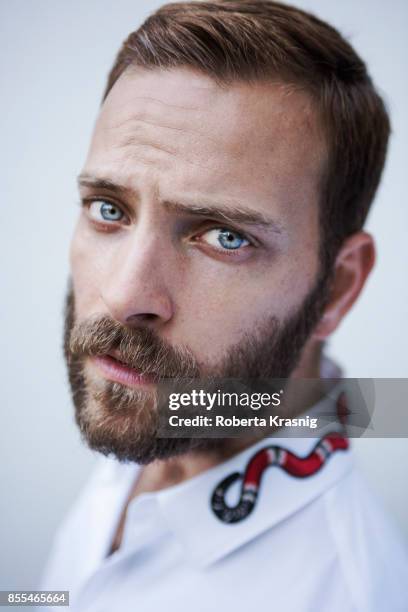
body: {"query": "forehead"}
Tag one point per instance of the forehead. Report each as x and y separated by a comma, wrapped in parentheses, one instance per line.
(257, 141)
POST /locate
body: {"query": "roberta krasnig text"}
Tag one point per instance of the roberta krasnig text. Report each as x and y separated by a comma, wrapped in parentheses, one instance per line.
(234, 421)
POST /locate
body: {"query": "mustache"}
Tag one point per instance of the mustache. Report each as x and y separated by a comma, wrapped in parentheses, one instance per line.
(139, 348)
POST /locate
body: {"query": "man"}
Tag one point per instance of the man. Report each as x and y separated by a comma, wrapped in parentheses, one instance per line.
(233, 163)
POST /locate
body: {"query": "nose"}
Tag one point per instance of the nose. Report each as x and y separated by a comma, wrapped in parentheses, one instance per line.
(135, 289)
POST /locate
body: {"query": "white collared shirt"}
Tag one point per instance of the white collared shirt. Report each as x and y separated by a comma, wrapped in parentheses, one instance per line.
(315, 544)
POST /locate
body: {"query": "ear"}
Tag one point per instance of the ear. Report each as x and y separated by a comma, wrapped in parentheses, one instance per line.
(353, 264)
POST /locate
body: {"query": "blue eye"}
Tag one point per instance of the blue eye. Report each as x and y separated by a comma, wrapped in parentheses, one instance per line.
(227, 239)
(105, 211)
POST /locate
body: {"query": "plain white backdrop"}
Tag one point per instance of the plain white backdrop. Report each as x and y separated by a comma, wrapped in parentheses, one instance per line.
(54, 61)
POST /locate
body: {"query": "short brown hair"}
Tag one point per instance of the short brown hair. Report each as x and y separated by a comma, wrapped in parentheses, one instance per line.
(249, 40)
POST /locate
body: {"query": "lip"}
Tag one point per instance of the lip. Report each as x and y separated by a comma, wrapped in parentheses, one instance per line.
(116, 371)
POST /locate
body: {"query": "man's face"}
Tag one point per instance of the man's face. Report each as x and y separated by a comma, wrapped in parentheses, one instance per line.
(199, 230)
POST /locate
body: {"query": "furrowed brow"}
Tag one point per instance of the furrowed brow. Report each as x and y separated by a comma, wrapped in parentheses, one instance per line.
(220, 212)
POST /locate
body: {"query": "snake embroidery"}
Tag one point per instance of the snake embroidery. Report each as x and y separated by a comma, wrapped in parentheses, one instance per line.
(300, 467)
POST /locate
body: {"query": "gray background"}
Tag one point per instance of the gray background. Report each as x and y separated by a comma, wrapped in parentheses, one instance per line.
(54, 60)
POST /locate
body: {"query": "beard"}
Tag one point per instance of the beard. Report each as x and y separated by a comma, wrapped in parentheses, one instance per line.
(124, 421)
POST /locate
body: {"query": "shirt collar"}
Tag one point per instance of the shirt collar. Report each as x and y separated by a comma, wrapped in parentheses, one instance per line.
(205, 539)
(187, 510)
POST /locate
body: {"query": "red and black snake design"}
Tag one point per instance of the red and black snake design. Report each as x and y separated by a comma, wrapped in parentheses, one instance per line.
(300, 467)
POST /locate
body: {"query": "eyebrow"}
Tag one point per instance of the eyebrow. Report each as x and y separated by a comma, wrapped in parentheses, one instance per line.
(87, 180)
(218, 211)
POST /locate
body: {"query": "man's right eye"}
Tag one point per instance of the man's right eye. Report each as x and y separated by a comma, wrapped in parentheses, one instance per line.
(103, 211)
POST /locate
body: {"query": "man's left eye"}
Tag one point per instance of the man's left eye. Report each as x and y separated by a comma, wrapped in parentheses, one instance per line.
(225, 238)
(100, 210)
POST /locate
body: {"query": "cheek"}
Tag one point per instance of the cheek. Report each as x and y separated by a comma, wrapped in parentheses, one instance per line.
(217, 308)
(226, 302)
(85, 262)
